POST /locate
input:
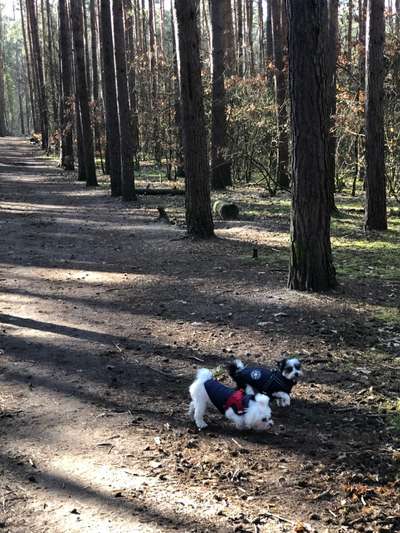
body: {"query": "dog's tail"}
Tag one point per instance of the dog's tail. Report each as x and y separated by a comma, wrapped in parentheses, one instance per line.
(203, 375)
(234, 367)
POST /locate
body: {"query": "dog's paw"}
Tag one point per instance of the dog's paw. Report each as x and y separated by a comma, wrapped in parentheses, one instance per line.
(283, 402)
(201, 425)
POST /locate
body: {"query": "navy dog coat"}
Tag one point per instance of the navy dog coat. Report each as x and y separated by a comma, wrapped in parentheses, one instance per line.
(224, 397)
(263, 380)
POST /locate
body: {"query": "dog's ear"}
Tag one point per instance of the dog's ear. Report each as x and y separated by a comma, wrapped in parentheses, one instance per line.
(281, 364)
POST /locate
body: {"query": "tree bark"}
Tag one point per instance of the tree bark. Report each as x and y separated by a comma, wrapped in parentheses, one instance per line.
(29, 73)
(331, 60)
(280, 97)
(110, 99)
(261, 37)
(221, 167)
(311, 266)
(38, 65)
(349, 35)
(65, 45)
(126, 138)
(375, 209)
(198, 208)
(82, 91)
(240, 44)
(229, 40)
(2, 93)
(131, 54)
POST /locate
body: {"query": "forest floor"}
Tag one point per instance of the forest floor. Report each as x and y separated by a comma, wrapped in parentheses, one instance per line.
(105, 316)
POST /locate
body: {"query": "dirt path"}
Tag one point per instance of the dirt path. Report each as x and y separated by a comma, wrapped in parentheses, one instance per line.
(105, 315)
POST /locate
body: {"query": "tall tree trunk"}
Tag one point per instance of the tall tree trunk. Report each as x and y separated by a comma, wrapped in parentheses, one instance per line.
(349, 35)
(229, 39)
(375, 209)
(249, 17)
(95, 78)
(331, 60)
(280, 97)
(110, 99)
(82, 91)
(29, 73)
(269, 54)
(2, 93)
(220, 167)
(38, 64)
(261, 37)
(198, 209)
(311, 266)
(65, 46)
(154, 82)
(131, 54)
(126, 137)
(240, 43)
(51, 62)
(180, 170)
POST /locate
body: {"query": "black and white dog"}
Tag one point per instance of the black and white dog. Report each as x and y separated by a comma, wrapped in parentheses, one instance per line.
(246, 411)
(274, 383)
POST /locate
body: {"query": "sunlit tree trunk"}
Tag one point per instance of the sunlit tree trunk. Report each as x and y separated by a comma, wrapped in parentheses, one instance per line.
(110, 99)
(331, 60)
(198, 208)
(280, 96)
(65, 45)
(375, 209)
(38, 65)
(2, 94)
(126, 137)
(220, 166)
(311, 266)
(82, 91)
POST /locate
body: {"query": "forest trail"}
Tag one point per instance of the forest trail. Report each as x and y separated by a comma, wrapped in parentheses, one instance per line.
(105, 315)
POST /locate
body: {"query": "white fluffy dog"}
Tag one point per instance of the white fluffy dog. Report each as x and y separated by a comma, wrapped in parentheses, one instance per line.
(246, 411)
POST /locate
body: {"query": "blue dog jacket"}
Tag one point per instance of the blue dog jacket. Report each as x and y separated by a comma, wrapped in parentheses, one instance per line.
(224, 397)
(263, 380)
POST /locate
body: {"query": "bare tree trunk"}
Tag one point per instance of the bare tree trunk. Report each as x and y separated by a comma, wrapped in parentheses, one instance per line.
(65, 46)
(37, 60)
(51, 61)
(240, 43)
(331, 60)
(268, 40)
(198, 209)
(349, 34)
(2, 93)
(229, 40)
(311, 266)
(280, 96)
(375, 209)
(180, 170)
(131, 54)
(154, 83)
(261, 38)
(29, 72)
(82, 92)
(220, 167)
(110, 99)
(126, 138)
(249, 16)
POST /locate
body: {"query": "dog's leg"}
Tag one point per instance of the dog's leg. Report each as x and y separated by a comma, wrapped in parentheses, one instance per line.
(249, 390)
(199, 412)
(191, 409)
(233, 417)
(282, 399)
